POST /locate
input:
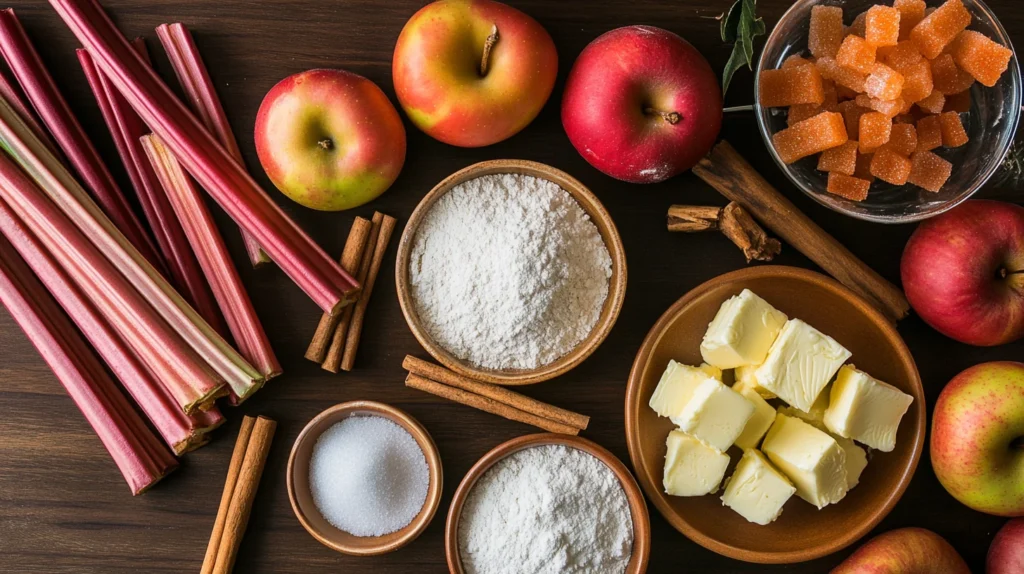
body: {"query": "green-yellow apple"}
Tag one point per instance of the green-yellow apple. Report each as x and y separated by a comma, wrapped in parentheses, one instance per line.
(329, 139)
(905, 551)
(977, 432)
(1006, 554)
(642, 104)
(473, 72)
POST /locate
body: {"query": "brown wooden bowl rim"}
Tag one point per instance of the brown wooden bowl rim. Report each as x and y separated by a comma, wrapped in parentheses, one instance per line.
(637, 505)
(616, 287)
(411, 531)
(787, 557)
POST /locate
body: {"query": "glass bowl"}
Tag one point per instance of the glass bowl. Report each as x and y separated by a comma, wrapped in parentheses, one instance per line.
(990, 124)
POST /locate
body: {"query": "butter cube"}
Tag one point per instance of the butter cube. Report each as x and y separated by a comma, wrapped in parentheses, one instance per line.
(800, 363)
(810, 458)
(715, 414)
(745, 378)
(676, 387)
(713, 372)
(759, 423)
(742, 331)
(756, 490)
(692, 468)
(856, 457)
(865, 409)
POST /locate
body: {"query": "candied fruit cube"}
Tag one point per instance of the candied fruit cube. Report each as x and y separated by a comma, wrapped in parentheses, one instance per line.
(851, 116)
(875, 128)
(828, 88)
(830, 69)
(917, 81)
(882, 26)
(891, 108)
(958, 102)
(826, 31)
(911, 14)
(799, 85)
(841, 159)
(794, 61)
(948, 77)
(929, 171)
(863, 169)
(884, 83)
(929, 133)
(859, 25)
(953, 133)
(824, 131)
(934, 103)
(903, 139)
(855, 53)
(890, 166)
(845, 93)
(940, 27)
(800, 112)
(900, 56)
(981, 57)
(852, 188)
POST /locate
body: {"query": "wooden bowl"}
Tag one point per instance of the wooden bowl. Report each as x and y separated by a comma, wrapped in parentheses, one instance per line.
(605, 226)
(802, 532)
(302, 499)
(637, 507)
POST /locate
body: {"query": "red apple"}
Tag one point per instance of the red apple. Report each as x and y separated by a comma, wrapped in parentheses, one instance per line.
(976, 441)
(641, 104)
(459, 91)
(963, 272)
(905, 551)
(329, 139)
(1006, 554)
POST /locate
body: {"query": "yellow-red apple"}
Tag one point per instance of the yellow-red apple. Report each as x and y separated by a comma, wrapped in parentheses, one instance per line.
(977, 440)
(329, 139)
(641, 104)
(473, 72)
(905, 551)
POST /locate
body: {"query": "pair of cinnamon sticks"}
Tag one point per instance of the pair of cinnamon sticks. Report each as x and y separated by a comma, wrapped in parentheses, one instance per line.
(244, 472)
(336, 340)
(439, 381)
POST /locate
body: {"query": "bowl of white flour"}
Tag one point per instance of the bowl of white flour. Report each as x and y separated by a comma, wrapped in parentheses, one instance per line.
(510, 272)
(548, 504)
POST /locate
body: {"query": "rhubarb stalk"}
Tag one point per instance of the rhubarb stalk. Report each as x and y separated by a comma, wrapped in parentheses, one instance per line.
(126, 128)
(202, 99)
(42, 92)
(136, 451)
(213, 167)
(57, 183)
(10, 91)
(213, 256)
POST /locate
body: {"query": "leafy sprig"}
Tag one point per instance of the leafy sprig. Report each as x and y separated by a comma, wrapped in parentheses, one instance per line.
(740, 25)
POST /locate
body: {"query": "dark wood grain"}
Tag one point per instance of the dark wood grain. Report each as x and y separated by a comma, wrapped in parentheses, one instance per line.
(63, 506)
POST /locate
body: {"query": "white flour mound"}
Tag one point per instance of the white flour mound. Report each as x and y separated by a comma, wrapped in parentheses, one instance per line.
(508, 272)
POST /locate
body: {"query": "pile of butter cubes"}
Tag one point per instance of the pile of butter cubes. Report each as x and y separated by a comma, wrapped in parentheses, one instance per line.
(806, 447)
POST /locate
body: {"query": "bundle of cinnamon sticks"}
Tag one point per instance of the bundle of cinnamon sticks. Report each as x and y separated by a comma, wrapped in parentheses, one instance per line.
(442, 382)
(336, 340)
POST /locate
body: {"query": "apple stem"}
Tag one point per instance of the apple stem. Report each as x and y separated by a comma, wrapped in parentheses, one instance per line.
(485, 59)
(325, 144)
(670, 117)
(1004, 272)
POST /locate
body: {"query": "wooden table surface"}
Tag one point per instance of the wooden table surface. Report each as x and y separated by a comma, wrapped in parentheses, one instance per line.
(65, 508)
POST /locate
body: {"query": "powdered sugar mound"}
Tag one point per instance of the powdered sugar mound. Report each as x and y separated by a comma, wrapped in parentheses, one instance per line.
(546, 510)
(508, 271)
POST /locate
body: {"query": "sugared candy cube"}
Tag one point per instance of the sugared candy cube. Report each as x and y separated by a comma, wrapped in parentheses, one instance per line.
(794, 61)
(852, 188)
(798, 85)
(890, 166)
(917, 81)
(851, 117)
(882, 26)
(824, 131)
(830, 69)
(884, 83)
(841, 159)
(826, 32)
(903, 139)
(934, 103)
(875, 128)
(929, 171)
(900, 56)
(855, 53)
(958, 102)
(891, 108)
(911, 14)
(863, 170)
(981, 57)
(929, 133)
(948, 77)
(801, 112)
(953, 133)
(859, 25)
(940, 27)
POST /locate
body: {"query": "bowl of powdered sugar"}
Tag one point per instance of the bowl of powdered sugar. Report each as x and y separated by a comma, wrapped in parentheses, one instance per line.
(510, 272)
(548, 504)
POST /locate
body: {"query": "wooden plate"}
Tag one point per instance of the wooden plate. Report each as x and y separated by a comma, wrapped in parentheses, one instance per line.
(802, 532)
(302, 500)
(605, 226)
(637, 507)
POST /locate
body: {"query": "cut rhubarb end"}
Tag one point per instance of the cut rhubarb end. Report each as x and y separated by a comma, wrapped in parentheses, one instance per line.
(202, 156)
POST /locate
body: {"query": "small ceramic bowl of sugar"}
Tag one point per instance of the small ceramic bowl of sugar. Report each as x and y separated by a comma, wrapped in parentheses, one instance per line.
(548, 502)
(510, 272)
(364, 478)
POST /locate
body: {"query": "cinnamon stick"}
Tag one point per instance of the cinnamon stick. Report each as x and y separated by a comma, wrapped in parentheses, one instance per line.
(733, 221)
(243, 494)
(332, 362)
(351, 256)
(726, 170)
(486, 404)
(234, 468)
(502, 395)
(693, 218)
(355, 329)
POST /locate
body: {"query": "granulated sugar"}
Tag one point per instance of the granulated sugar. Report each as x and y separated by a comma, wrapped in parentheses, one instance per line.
(546, 510)
(508, 271)
(368, 476)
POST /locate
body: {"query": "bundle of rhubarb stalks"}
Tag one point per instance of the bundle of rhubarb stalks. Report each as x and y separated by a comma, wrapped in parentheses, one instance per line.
(147, 307)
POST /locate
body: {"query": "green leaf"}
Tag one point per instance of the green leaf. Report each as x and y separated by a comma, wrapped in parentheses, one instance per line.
(740, 25)
(731, 22)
